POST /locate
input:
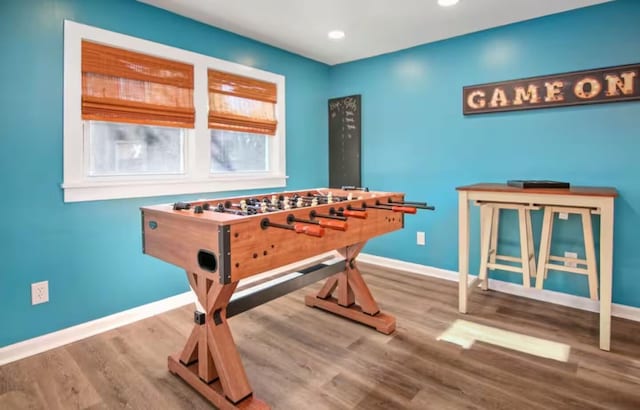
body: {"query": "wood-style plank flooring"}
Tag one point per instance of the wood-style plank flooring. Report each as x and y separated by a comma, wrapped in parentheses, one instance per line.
(302, 358)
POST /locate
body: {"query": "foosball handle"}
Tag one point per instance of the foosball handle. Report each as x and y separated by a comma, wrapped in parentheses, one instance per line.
(311, 230)
(404, 209)
(355, 214)
(333, 224)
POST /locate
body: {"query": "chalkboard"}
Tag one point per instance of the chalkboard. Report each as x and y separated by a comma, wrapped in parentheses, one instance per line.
(344, 141)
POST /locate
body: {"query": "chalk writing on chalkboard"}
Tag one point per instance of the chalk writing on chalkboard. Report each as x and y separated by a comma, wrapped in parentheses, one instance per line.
(344, 141)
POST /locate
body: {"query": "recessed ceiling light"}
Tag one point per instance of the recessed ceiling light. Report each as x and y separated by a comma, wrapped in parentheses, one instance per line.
(447, 3)
(336, 35)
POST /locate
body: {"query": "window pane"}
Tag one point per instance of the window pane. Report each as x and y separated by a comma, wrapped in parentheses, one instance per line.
(128, 149)
(238, 152)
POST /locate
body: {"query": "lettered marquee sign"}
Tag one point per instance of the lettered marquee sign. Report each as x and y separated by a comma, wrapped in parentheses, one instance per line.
(611, 84)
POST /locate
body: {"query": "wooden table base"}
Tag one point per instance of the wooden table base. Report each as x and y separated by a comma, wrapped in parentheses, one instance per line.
(211, 391)
(382, 322)
(351, 288)
(209, 361)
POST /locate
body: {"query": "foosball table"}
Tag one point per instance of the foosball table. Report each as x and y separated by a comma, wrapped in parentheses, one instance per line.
(219, 242)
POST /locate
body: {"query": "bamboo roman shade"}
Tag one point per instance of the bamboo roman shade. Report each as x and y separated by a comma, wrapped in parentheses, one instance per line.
(125, 86)
(241, 104)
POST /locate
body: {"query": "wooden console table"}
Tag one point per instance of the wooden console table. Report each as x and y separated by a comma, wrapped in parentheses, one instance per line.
(598, 198)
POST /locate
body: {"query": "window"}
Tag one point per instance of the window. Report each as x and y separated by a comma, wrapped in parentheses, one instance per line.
(238, 152)
(243, 121)
(127, 149)
(145, 119)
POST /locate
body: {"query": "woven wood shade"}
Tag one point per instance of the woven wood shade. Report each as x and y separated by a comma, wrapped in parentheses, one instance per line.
(241, 104)
(124, 86)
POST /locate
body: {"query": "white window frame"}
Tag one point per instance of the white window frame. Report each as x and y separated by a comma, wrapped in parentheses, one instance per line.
(79, 186)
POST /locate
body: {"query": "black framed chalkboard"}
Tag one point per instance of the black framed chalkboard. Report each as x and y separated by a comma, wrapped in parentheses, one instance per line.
(344, 141)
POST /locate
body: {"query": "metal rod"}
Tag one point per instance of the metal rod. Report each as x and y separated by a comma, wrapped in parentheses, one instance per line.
(419, 205)
(416, 204)
(331, 224)
(318, 196)
(313, 214)
(403, 209)
(220, 208)
(251, 209)
(355, 208)
(348, 213)
(309, 276)
(354, 188)
(313, 230)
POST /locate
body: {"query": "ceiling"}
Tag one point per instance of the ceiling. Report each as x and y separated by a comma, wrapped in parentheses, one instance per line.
(372, 27)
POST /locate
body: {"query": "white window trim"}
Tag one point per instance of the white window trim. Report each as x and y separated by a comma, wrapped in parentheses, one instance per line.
(197, 178)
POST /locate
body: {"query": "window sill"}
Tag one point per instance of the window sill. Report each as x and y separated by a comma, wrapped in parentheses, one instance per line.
(104, 190)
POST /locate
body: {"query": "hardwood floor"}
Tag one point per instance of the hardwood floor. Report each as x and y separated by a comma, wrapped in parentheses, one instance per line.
(302, 358)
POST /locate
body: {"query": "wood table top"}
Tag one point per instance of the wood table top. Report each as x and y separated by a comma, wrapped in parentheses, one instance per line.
(574, 190)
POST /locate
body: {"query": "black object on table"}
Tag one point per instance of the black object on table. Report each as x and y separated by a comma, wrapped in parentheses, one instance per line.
(532, 183)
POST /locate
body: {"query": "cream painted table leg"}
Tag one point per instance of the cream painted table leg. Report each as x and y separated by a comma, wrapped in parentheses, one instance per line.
(463, 249)
(606, 271)
(486, 222)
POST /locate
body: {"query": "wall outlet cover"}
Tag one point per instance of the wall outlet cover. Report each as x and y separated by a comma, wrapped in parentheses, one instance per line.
(39, 292)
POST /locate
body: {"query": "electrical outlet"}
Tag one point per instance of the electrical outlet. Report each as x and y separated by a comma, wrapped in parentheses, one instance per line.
(420, 239)
(573, 255)
(39, 292)
(563, 215)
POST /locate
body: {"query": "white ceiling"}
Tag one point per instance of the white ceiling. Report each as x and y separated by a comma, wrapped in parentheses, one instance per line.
(372, 27)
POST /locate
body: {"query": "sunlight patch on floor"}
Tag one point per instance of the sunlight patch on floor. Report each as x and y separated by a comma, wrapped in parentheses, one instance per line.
(464, 333)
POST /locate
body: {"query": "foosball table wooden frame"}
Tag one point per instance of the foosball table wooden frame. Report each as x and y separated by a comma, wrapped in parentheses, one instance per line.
(221, 241)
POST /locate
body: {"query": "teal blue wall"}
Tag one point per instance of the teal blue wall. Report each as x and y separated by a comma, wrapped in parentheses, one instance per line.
(416, 140)
(91, 252)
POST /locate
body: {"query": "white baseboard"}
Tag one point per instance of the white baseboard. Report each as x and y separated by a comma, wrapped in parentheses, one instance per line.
(72, 334)
(558, 298)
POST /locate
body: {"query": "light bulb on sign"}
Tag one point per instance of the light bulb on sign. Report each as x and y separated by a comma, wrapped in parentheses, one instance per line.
(447, 3)
(336, 35)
